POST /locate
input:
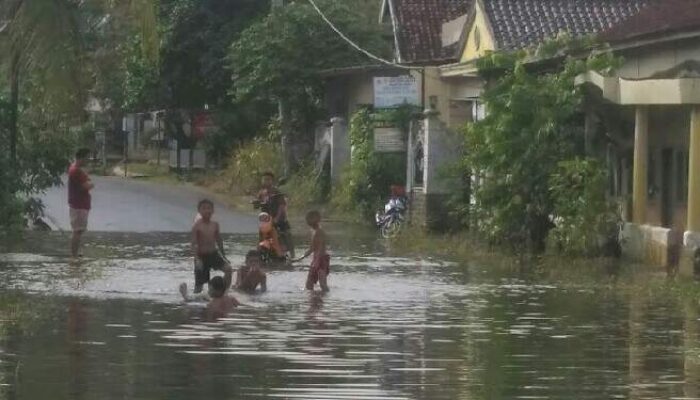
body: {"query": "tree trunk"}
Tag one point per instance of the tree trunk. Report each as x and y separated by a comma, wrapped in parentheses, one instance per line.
(14, 109)
(286, 137)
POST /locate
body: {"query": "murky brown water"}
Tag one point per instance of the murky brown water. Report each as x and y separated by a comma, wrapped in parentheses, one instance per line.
(391, 328)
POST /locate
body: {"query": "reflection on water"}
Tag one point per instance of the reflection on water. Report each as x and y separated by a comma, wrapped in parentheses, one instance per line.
(391, 328)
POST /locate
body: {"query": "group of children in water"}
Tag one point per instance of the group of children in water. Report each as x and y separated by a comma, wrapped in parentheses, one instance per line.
(209, 254)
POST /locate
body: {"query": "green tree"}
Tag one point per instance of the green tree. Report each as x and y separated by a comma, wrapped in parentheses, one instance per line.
(533, 123)
(278, 60)
(49, 74)
(196, 36)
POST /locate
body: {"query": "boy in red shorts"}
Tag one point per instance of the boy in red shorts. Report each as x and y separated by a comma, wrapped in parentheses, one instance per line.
(320, 261)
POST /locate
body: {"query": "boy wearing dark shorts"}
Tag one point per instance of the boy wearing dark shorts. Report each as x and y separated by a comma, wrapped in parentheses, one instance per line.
(207, 246)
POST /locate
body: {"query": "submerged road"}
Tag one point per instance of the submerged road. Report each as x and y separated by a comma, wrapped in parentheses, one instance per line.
(127, 205)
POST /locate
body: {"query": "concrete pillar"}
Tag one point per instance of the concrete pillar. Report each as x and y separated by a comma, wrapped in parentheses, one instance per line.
(641, 157)
(410, 155)
(694, 172)
(431, 152)
(340, 148)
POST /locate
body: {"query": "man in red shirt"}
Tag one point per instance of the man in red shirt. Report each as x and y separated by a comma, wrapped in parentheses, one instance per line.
(79, 199)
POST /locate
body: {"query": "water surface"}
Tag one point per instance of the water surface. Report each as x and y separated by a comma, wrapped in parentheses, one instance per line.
(114, 327)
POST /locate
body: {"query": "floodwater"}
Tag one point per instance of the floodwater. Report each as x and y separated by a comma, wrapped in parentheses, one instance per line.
(114, 327)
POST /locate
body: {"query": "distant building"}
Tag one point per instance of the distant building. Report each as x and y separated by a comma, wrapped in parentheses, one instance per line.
(442, 40)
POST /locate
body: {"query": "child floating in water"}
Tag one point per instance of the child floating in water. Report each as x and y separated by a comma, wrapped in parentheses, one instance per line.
(269, 239)
(207, 246)
(320, 262)
(220, 303)
(251, 275)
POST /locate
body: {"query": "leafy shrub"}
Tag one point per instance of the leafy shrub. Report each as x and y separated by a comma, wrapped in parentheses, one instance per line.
(43, 152)
(307, 186)
(249, 162)
(534, 122)
(365, 183)
(584, 217)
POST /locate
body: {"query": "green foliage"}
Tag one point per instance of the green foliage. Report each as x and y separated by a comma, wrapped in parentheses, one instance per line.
(61, 53)
(366, 182)
(534, 122)
(584, 217)
(42, 157)
(141, 81)
(196, 36)
(280, 57)
(249, 162)
(306, 186)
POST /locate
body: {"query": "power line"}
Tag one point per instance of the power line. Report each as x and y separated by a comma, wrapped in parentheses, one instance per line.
(355, 45)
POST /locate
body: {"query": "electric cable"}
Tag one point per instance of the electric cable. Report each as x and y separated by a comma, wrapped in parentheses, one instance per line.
(355, 45)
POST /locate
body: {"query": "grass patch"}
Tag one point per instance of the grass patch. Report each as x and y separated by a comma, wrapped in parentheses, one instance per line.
(596, 273)
(149, 169)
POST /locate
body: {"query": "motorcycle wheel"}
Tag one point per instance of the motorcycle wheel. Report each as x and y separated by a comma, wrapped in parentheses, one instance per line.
(390, 229)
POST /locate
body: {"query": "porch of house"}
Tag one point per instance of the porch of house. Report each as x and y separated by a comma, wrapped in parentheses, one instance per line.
(657, 171)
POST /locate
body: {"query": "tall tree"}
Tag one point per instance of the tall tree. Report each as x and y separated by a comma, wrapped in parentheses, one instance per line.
(196, 39)
(49, 73)
(46, 39)
(41, 36)
(279, 59)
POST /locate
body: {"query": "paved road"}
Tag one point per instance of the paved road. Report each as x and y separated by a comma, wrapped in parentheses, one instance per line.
(126, 205)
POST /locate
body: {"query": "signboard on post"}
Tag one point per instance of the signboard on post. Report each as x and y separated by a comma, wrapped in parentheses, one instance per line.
(394, 91)
(389, 139)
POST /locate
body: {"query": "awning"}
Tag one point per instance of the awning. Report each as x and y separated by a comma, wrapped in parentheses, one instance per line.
(676, 91)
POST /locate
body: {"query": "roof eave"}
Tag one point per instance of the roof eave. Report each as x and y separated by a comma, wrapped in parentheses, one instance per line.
(653, 39)
(460, 69)
(358, 69)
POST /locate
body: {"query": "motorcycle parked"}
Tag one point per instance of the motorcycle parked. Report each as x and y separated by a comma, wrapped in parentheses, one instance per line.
(392, 218)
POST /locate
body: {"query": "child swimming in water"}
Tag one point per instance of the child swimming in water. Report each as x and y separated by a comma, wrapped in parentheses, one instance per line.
(219, 302)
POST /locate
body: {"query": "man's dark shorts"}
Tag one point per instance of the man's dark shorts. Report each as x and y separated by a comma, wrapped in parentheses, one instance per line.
(209, 261)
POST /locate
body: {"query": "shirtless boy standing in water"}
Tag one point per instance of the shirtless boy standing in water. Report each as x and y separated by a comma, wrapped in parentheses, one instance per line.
(207, 247)
(320, 261)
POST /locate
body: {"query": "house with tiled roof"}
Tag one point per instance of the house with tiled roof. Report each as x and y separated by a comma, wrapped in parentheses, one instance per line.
(649, 113)
(653, 96)
(425, 35)
(498, 25)
(419, 39)
(417, 27)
